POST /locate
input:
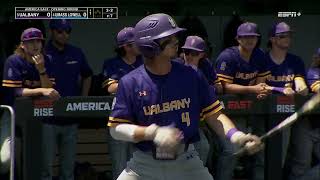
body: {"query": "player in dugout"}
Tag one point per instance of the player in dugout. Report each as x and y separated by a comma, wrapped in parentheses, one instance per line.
(303, 160)
(29, 72)
(194, 55)
(73, 78)
(240, 69)
(128, 58)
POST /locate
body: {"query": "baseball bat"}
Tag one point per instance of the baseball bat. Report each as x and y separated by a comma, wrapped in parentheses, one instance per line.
(307, 106)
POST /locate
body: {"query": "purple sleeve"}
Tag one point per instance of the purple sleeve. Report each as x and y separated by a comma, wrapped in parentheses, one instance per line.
(86, 71)
(225, 68)
(12, 76)
(209, 104)
(122, 110)
(313, 79)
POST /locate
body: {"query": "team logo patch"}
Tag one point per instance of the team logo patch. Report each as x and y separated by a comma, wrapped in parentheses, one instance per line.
(249, 28)
(223, 66)
(192, 42)
(72, 62)
(142, 93)
(10, 73)
(173, 24)
(152, 24)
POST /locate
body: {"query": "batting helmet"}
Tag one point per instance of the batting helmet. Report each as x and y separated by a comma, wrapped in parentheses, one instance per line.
(30, 34)
(151, 28)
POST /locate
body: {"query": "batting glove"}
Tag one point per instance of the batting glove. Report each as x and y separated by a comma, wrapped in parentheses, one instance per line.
(251, 143)
(163, 136)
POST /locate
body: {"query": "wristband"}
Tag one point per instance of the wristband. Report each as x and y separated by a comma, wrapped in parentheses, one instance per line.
(278, 89)
(231, 132)
(150, 132)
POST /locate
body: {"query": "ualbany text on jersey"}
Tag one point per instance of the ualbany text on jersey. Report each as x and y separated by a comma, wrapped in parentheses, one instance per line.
(167, 106)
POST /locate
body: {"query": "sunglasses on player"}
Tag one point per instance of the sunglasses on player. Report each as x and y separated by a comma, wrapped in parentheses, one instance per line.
(283, 36)
(188, 52)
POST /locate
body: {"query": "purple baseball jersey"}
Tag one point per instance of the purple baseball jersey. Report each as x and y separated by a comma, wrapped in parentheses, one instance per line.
(283, 75)
(19, 73)
(313, 79)
(231, 68)
(206, 67)
(114, 69)
(68, 66)
(181, 98)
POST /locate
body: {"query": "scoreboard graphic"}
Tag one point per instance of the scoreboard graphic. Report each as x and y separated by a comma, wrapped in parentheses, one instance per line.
(66, 13)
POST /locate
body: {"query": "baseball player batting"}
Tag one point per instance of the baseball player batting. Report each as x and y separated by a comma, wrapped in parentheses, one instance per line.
(159, 106)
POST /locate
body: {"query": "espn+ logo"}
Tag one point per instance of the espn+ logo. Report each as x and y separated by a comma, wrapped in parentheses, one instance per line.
(289, 14)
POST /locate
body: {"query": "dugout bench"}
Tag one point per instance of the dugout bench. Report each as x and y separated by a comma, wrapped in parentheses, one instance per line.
(92, 112)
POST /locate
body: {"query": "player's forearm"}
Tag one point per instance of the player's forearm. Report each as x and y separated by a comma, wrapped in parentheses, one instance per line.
(220, 123)
(238, 89)
(112, 88)
(45, 81)
(26, 92)
(129, 132)
(86, 83)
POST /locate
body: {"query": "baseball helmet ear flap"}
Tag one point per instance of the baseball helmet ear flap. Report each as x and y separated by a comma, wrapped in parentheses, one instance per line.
(149, 48)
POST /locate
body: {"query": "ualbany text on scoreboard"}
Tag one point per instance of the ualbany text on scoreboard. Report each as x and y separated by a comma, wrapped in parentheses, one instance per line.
(66, 12)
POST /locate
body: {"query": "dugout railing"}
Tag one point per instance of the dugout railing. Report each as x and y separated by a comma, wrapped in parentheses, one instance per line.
(92, 112)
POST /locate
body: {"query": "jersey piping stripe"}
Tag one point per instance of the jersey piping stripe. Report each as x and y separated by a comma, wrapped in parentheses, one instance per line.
(225, 76)
(211, 106)
(11, 85)
(11, 82)
(119, 120)
(225, 80)
(315, 86)
(264, 74)
(212, 112)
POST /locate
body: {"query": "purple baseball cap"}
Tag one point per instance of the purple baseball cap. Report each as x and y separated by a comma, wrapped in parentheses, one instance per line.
(125, 36)
(64, 24)
(279, 28)
(194, 43)
(30, 34)
(248, 29)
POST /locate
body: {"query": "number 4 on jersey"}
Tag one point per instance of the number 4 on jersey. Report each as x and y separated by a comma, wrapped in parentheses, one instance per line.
(185, 118)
